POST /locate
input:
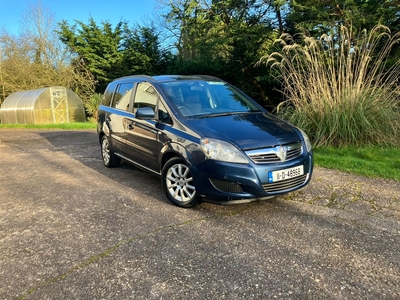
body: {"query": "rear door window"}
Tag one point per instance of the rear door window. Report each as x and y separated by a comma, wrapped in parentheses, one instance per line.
(122, 96)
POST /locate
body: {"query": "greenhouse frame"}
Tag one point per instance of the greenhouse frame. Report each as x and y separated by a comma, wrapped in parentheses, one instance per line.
(51, 105)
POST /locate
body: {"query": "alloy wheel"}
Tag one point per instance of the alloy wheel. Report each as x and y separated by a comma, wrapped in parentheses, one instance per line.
(179, 183)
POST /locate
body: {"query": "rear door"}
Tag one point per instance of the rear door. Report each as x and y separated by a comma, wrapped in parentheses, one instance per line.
(121, 109)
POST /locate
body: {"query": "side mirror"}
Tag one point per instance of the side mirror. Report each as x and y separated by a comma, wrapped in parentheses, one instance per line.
(145, 113)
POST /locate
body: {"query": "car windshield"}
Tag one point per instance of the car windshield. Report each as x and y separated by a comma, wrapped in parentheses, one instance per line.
(200, 99)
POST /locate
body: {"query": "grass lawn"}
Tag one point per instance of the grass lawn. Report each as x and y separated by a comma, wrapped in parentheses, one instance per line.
(67, 126)
(383, 162)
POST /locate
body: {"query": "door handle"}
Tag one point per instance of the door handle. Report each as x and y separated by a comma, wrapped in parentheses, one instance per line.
(130, 126)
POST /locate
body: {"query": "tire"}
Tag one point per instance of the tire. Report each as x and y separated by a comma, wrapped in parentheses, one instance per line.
(177, 183)
(110, 160)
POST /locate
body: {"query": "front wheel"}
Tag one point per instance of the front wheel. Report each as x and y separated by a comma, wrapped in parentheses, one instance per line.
(110, 160)
(177, 182)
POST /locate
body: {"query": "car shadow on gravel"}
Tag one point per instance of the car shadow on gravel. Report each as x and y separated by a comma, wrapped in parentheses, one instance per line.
(84, 146)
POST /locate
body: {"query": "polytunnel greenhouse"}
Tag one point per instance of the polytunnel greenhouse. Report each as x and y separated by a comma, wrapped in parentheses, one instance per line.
(42, 106)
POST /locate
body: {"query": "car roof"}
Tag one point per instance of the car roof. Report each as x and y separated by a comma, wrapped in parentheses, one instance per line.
(168, 78)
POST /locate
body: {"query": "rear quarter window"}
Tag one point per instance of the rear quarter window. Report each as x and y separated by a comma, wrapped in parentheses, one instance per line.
(108, 94)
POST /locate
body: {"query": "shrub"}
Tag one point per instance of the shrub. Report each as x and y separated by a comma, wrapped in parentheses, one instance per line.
(340, 88)
(91, 105)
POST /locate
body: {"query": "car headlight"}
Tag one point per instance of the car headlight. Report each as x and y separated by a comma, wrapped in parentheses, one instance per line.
(222, 151)
(306, 140)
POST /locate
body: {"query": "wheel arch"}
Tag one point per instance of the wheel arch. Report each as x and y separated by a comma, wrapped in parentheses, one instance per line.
(100, 135)
(167, 156)
(171, 150)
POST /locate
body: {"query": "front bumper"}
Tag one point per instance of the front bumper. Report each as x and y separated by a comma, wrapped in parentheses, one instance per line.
(228, 183)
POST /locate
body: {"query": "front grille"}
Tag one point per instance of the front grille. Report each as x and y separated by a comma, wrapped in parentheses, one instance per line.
(269, 155)
(284, 184)
(226, 186)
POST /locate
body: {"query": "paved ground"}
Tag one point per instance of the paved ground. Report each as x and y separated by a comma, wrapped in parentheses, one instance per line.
(73, 229)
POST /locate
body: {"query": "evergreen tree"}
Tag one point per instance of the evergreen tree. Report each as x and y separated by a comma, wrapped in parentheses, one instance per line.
(109, 52)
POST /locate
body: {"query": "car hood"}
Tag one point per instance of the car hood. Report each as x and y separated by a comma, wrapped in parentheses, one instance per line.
(248, 131)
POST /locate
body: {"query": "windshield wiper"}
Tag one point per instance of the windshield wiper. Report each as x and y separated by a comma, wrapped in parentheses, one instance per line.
(231, 113)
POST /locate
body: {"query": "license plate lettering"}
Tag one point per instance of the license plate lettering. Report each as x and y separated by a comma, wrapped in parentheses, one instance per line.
(285, 174)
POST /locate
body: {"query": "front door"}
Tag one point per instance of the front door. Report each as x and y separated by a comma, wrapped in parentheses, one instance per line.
(142, 135)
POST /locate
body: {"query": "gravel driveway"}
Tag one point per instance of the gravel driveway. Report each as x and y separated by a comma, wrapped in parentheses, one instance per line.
(72, 229)
(370, 196)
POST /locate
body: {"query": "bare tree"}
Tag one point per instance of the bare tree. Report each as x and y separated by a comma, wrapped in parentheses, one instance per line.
(37, 58)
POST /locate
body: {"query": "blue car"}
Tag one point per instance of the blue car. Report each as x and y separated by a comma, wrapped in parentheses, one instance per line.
(203, 137)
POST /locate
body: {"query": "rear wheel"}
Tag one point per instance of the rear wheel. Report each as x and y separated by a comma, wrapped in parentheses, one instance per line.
(110, 160)
(177, 182)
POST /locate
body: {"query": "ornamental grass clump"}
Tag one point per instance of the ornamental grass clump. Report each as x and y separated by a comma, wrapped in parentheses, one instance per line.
(91, 106)
(340, 89)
